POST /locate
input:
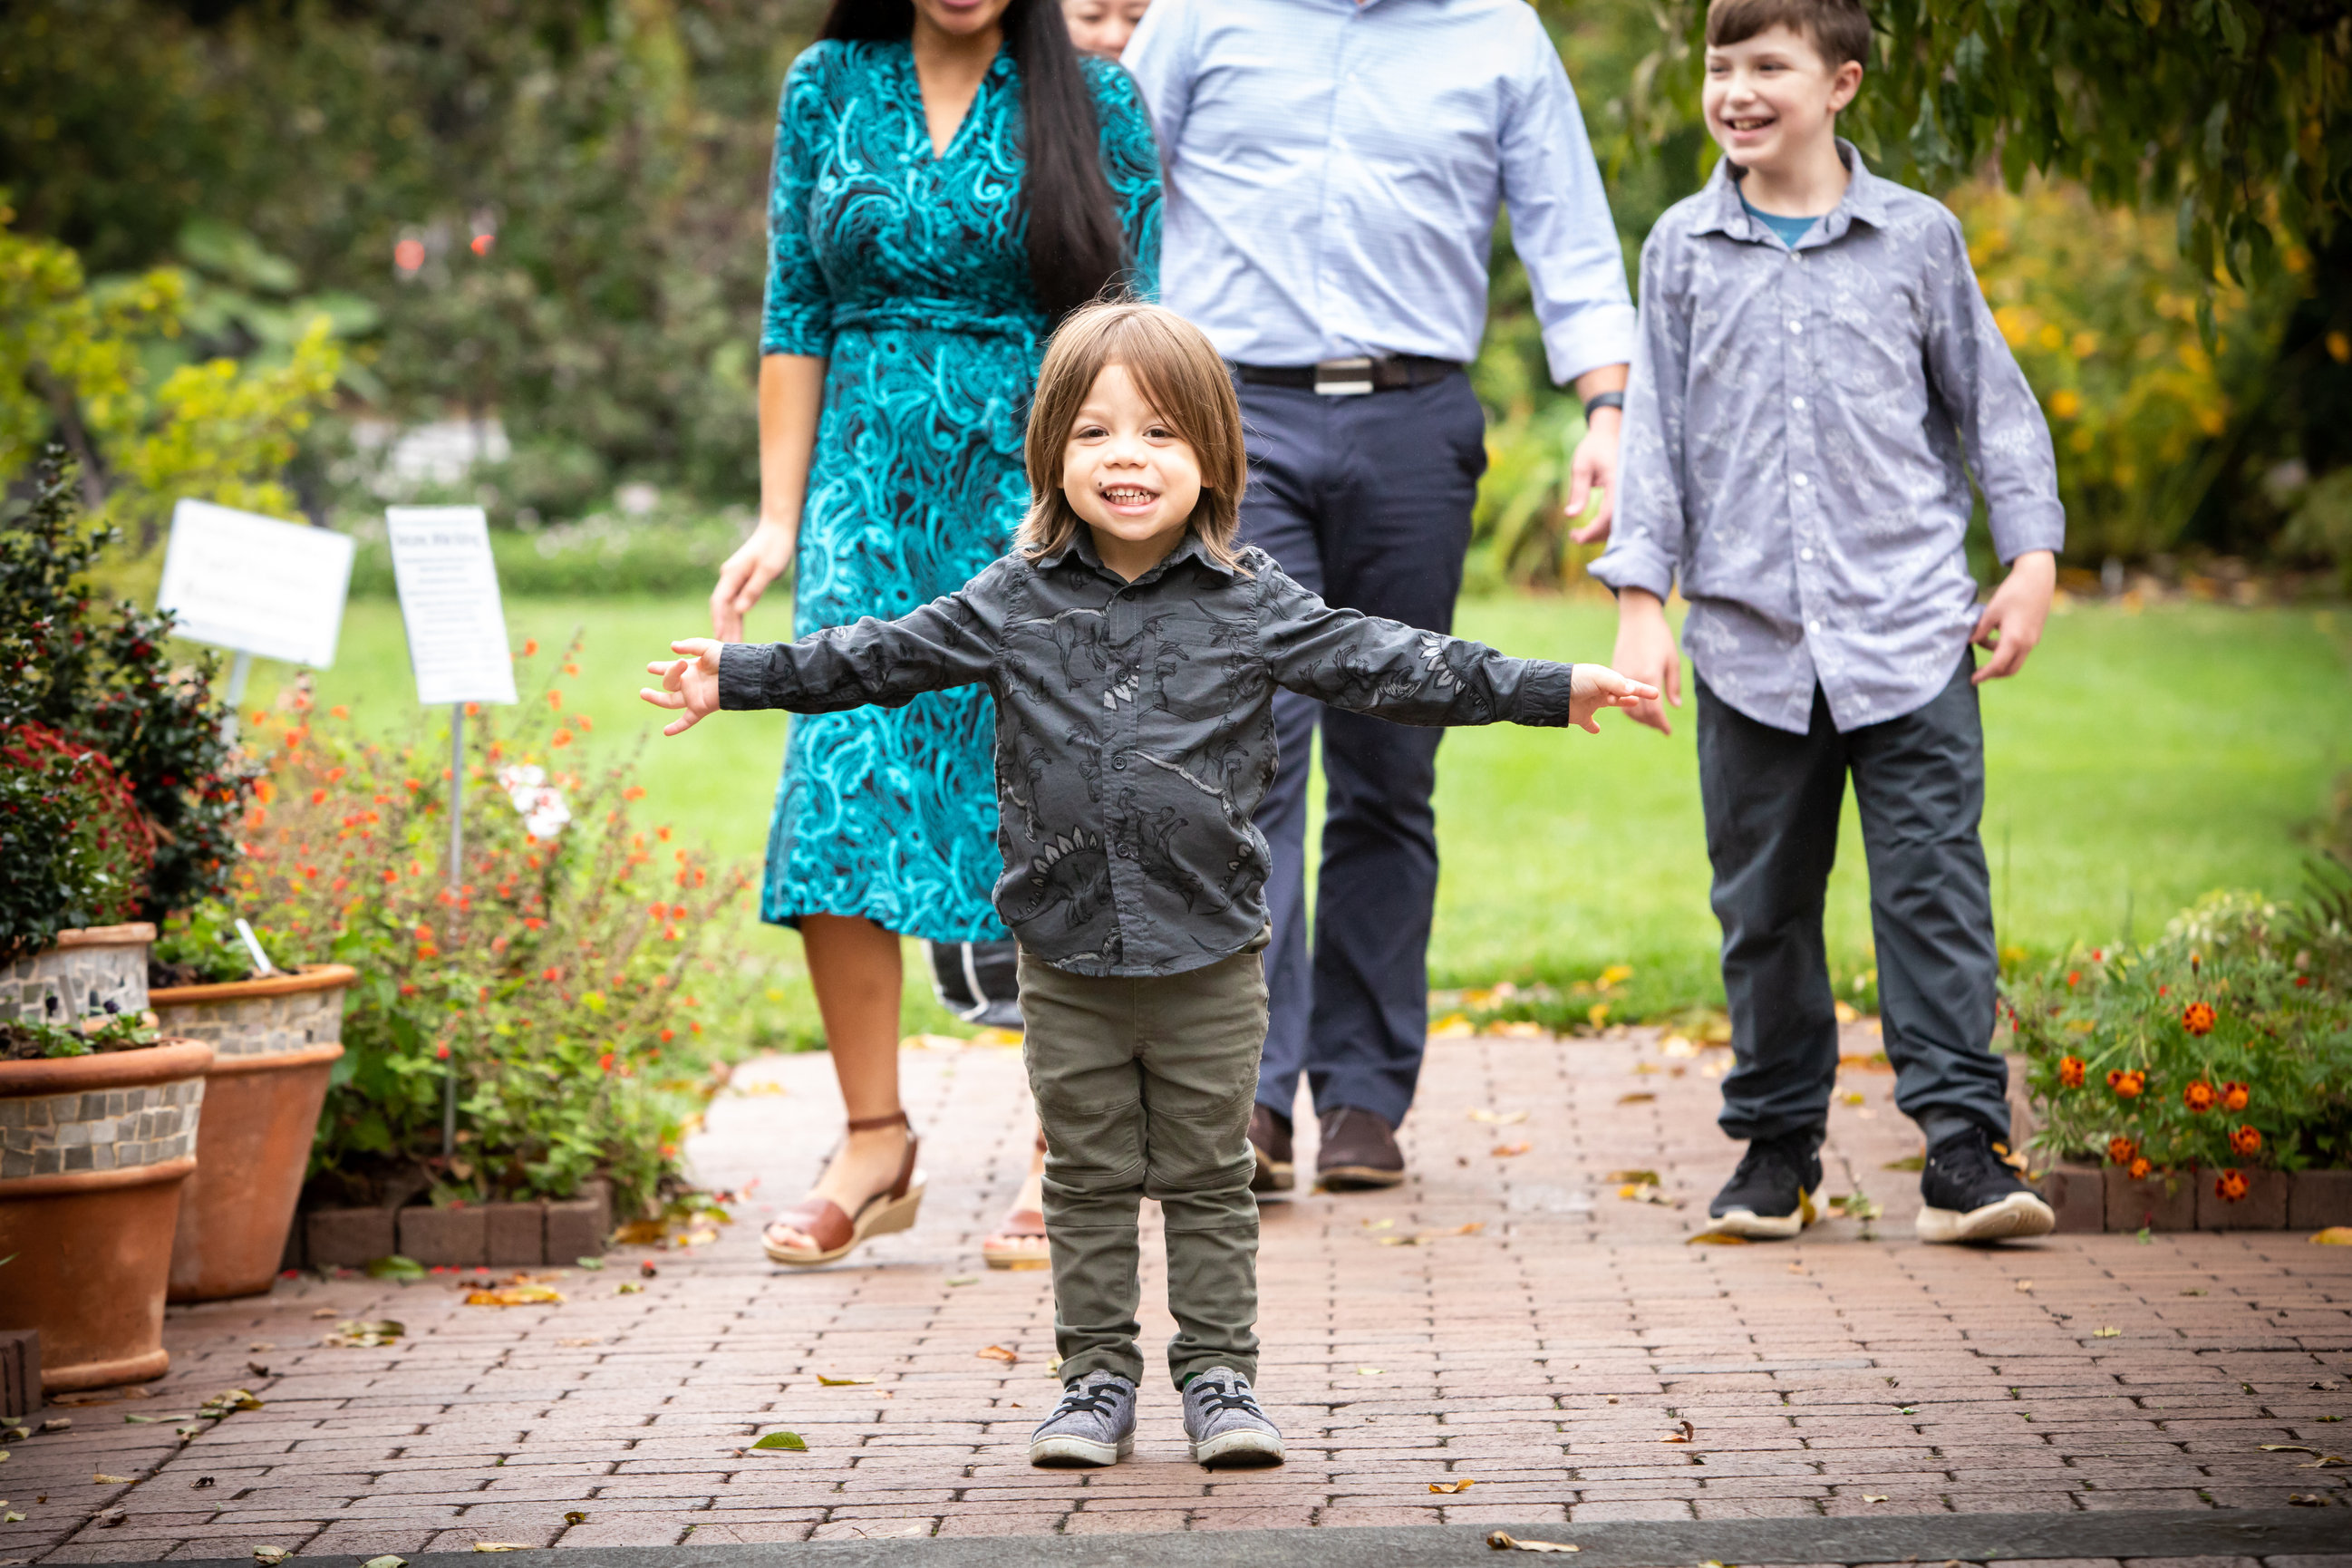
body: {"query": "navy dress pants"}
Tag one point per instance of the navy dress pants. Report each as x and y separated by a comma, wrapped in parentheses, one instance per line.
(1366, 501)
(1772, 801)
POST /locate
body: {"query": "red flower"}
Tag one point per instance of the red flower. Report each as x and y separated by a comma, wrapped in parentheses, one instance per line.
(667, 1036)
(2074, 978)
(441, 1053)
(2303, 980)
(2197, 1018)
(2139, 1170)
(2200, 1097)
(2126, 1084)
(2232, 1187)
(2122, 1151)
(605, 1061)
(2071, 1071)
(2164, 990)
(2234, 1095)
(2246, 1140)
(317, 797)
(550, 973)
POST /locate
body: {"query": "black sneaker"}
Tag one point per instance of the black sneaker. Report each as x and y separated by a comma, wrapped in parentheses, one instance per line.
(1770, 1196)
(1967, 1195)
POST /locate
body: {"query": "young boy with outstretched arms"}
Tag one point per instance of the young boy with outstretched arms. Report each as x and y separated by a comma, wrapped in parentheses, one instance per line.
(1134, 649)
(1816, 378)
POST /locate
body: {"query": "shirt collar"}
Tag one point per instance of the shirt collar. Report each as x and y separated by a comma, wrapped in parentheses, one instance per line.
(1081, 545)
(1722, 211)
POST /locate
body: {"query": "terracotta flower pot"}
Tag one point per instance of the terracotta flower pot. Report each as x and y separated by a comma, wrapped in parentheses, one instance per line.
(93, 1150)
(275, 1042)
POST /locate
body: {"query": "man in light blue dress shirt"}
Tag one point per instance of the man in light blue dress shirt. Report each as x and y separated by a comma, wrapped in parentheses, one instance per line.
(1333, 169)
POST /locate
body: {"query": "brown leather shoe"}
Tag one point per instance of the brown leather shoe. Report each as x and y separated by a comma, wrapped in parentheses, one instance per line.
(1269, 1136)
(1359, 1151)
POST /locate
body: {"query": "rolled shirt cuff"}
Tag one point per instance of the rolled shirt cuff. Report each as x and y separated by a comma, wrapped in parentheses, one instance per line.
(2020, 527)
(1547, 695)
(743, 669)
(1595, 336)
(1623, 566)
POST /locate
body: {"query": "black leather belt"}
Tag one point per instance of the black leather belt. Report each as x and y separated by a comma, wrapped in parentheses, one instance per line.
(1351, 377)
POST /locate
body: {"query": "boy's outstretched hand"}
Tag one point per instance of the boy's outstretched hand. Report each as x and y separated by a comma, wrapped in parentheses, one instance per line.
(1596, 686)
(2012, 622)
(691, 683)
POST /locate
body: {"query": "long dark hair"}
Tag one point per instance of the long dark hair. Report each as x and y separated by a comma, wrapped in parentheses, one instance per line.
(1077, 249)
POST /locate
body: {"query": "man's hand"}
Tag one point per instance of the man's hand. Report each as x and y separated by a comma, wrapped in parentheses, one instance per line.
(2011, 622)
(1594, 468)
(690, 684)
(1646, 653)
(745, 576)
(1596, 686)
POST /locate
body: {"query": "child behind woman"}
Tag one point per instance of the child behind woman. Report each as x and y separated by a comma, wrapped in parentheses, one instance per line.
(1133, 650)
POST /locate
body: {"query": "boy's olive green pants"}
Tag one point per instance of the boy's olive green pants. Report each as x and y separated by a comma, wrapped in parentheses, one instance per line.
(1144, 1088)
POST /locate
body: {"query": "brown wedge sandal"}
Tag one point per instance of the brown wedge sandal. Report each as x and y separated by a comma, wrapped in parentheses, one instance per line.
(1020, 1241)
(836, 1234)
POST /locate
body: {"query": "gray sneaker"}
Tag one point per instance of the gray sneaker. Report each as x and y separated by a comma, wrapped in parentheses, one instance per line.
(1094, 1425)
(1223, 1419)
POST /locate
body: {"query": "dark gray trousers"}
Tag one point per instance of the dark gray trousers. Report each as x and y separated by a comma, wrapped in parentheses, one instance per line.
(1366, 501)
(1772, 801)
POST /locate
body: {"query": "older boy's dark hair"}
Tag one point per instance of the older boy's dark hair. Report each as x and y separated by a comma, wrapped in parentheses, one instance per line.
(1840, 29)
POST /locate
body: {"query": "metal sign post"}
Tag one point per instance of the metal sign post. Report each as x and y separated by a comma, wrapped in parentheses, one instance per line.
(457, 877)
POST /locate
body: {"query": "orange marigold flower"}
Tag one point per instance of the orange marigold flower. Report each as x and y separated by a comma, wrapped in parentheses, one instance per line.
(2197, 1018)
(2122, 1150)
(2139, 1169)
(2200, 1097)
(2071, 1071)
(570, 668)
(339, 712)
(532, 922)
(555, 699)
(317, 797)
(530, 646)
(634, 791)
(2127, 1084)
(667, 1036)
(562, 738)
(2247, 1141)
(605, 1061)
(2074, 978)
(2232, 1187)
(551, 974)
(2234, 1095)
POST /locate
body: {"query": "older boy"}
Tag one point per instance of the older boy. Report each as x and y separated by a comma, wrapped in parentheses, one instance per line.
(1815, 361)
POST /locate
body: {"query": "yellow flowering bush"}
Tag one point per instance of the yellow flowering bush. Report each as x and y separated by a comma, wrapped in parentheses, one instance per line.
(2102, 312)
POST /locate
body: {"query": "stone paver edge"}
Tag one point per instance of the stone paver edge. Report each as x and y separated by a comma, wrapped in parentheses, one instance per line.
(1924, 1538)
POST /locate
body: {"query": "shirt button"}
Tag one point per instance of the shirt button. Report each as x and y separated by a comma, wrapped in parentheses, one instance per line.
(1797, 403)
(1809, 626)
(1802, 481)
(1796, 326)
(1805, 554)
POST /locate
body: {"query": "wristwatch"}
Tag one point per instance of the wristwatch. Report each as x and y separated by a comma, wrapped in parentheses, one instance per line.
(1603, 400)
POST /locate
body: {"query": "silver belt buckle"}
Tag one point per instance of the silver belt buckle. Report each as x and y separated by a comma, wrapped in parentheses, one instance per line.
(1343, 377)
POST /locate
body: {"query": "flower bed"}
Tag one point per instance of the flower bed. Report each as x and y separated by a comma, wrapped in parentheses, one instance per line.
(2209, 1072)
(563, 981)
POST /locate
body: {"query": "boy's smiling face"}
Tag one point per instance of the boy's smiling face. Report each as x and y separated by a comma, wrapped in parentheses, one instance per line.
(1772, 101)
(1128, 474)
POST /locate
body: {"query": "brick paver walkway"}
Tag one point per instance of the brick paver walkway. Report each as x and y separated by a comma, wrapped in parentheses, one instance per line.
(1504, 1318)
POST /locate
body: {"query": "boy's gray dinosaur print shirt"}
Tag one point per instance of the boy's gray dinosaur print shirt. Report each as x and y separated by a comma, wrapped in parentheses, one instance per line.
(1135, 728)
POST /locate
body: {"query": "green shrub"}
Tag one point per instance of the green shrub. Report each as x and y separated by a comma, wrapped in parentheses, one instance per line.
(74, 850)
(2226, 1042)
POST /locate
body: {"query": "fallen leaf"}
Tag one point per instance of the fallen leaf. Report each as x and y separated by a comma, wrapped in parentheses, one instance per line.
(1453, 1027)
(2334, 1236)
(1371, 1372)
(386, 1561)
(1856, 1205)
(2107, 1331)
(1642, 1098)
(58, 1423)
(1464, 1485)
(701, 1236)
(10, 1516)
(1637, 1177)
(1909, 1163)
(1850, 1097)
(323, 1313)
(1507, 1151)
(1686, 1433)
(575, 1517)
(108, 1518)
(2025, 1285)
(396, 1266)
(1503, 1541)
(106, 1480)
(1645, 1193)
(1473, 1228)
(2327, 1462)
(997, 1352)
(790, 1441)
(1379, 1225)
(824, 1381)
(578, 1344)
(958, 1279)
(2192, 1292)
(1677, 1046)
(1497, 1117)
(255, 1368)
(364, 1333)
(1397, 1240)
(640, 1232)
(2307, 1499)
(2284, 1449)
(1715, 1238)
(628, 1288)
(591, 1264)
(515, 1295)
(502, 1546)
(1868, 1496)
(201, 1482)
(271, 1556)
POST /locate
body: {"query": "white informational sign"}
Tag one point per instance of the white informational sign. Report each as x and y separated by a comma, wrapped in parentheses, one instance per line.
(238, 579)
(449, 601)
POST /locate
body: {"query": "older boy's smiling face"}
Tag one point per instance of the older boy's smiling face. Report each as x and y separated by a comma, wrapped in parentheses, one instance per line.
(1128, 475)
(1772, 101)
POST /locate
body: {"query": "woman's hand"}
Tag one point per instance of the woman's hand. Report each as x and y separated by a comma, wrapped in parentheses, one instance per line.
(1596, 686)
(690, 684)
(757, 561)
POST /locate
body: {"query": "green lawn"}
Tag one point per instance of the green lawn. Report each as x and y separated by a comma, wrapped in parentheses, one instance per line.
(2142, 759)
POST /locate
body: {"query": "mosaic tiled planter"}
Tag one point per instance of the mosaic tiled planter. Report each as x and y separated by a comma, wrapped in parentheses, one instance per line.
(94, 1153)
(85, 971)
(275, 1043)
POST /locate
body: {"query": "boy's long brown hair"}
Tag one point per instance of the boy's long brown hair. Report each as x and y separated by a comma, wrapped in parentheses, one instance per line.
(1180, 375)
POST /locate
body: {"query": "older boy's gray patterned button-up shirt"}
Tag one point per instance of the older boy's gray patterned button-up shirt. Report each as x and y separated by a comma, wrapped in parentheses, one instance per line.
(1135, 729)
(1792, 447)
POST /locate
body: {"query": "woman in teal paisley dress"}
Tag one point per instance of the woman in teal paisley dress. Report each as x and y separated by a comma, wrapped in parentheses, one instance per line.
(951, 179)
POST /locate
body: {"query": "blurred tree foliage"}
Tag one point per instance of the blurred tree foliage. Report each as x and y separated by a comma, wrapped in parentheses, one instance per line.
(579, 187)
